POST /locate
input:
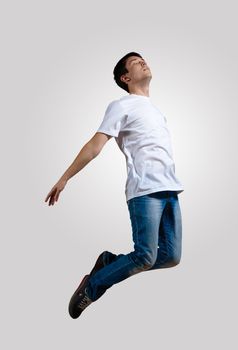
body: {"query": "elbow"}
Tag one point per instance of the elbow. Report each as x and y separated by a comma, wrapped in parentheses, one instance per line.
(97, 143)
(93, 150)
(95, 153)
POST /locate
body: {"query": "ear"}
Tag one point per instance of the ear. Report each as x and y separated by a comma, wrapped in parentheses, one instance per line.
(124, 79)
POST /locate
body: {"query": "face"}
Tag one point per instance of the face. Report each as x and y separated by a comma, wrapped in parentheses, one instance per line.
(137, 69)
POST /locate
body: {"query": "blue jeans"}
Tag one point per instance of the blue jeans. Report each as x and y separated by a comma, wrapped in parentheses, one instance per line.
(157, 234)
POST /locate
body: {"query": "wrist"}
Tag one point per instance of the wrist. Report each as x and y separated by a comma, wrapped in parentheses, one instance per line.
(64, 178)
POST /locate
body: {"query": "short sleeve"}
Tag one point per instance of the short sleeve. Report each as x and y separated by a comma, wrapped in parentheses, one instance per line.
(113, 119)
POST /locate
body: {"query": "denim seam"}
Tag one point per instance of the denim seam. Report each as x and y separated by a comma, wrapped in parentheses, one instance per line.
(135, 219)
(165, 240)
(137, 235)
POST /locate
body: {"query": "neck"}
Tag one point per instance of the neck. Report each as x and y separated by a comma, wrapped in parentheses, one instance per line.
(144, 91)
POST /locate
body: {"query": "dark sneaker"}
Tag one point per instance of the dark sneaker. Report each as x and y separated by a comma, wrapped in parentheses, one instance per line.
(104, 259)
(99, 263)
(80, 300)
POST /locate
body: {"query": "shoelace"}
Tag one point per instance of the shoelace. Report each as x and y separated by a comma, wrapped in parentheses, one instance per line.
(84, 302)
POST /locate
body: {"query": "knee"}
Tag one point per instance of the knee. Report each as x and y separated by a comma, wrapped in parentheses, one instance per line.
(145, 261)
(173, 260)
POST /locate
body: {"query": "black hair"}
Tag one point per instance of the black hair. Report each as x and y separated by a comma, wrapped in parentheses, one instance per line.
(120, 69)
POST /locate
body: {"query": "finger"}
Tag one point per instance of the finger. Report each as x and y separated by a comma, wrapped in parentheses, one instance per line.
(57, 196)
(54, 197)
(48, 195)
(46, 199)
(51, 200)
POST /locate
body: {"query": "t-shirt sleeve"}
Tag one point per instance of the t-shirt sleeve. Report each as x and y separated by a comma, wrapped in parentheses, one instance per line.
(113, 119)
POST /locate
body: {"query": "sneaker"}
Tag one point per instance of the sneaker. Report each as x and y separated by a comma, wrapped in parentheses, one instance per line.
(99, 264)
(80, 300)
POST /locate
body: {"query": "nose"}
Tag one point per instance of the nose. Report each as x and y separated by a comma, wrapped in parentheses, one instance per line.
(143, 64)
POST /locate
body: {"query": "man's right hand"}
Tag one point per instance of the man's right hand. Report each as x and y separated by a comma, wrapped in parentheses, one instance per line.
(55, 192)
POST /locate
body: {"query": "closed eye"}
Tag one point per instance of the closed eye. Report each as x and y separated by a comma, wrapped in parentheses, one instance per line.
(138, 61)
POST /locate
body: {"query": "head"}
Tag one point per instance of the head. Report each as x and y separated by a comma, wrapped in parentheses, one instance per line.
(130, 70)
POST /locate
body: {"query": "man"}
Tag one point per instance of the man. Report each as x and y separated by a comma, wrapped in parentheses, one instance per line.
(152, 188)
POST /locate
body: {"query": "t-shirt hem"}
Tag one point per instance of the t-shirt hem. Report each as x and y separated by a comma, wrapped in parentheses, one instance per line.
(107, 132)
(142, 193)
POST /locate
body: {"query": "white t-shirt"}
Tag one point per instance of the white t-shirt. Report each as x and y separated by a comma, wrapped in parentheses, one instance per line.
(141, 132)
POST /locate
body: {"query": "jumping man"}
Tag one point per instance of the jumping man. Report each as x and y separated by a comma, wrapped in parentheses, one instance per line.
(151, 189)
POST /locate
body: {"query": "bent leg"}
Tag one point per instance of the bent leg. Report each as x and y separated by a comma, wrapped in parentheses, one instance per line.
(145, 216)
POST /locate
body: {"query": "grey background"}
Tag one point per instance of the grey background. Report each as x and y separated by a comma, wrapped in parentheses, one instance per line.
(57, 59)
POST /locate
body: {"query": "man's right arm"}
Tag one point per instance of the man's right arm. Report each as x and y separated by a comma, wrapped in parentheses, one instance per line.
(89, 151)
